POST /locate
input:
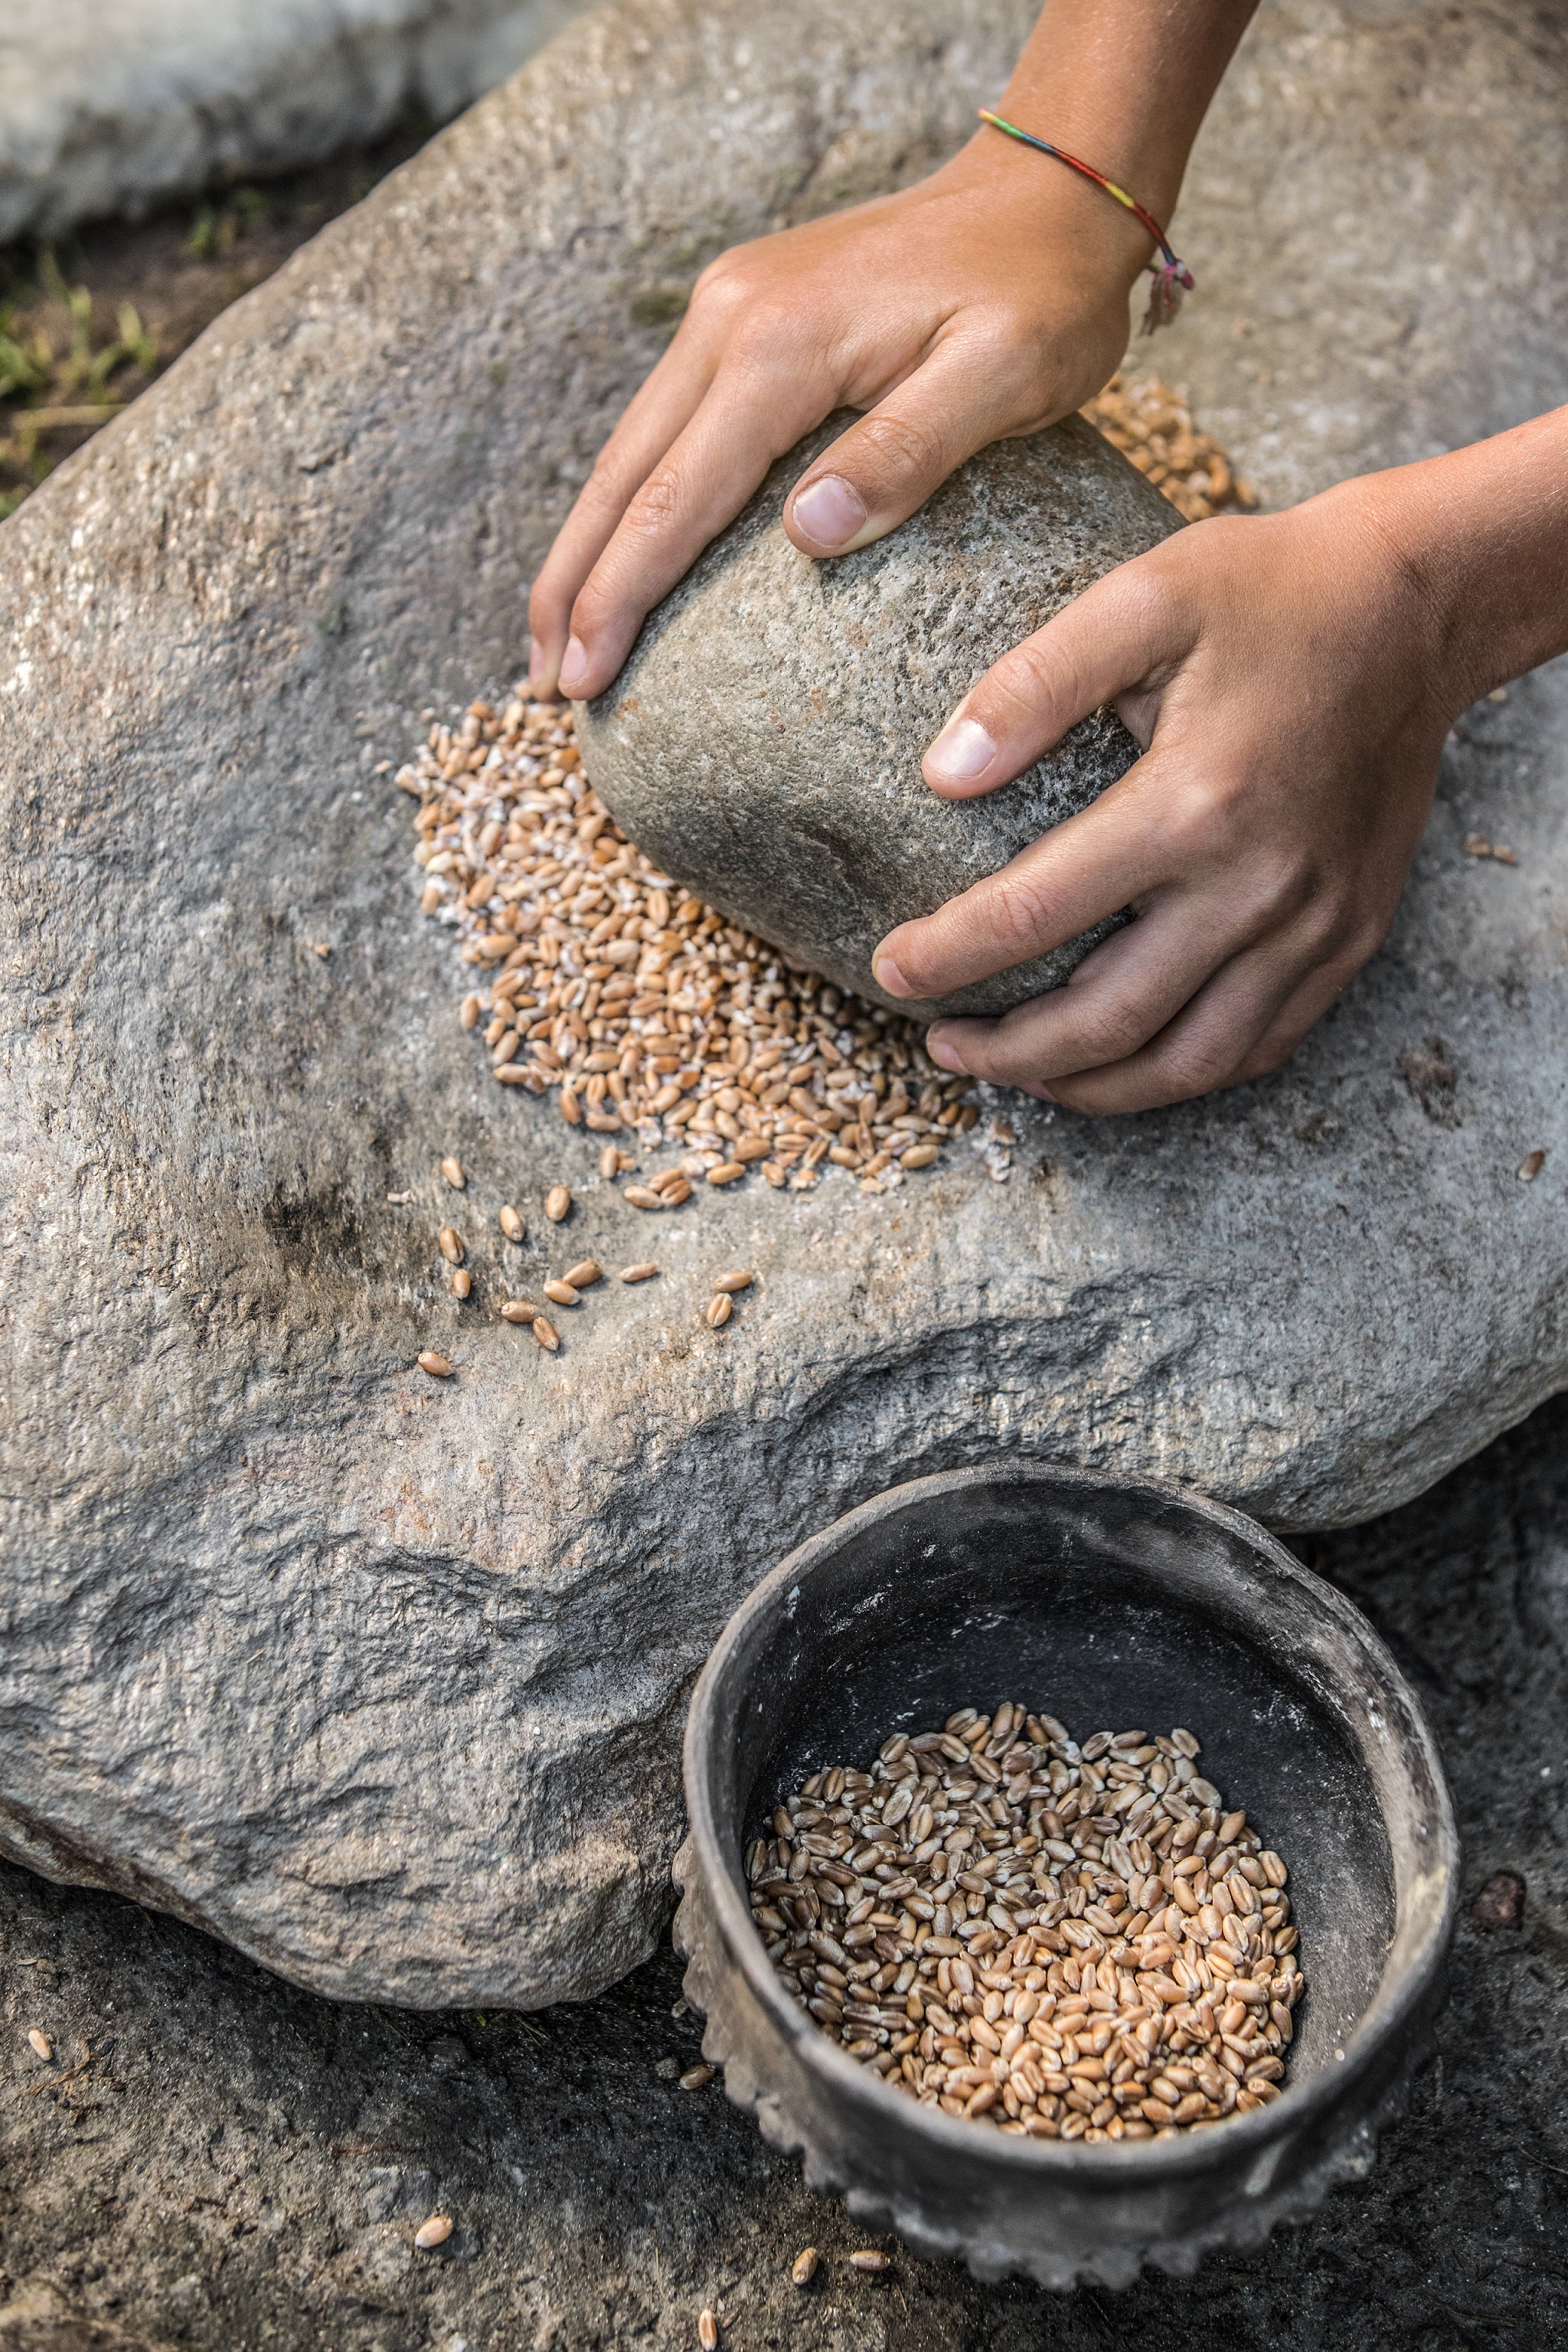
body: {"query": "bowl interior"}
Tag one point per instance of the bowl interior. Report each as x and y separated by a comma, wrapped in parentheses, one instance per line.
(1111, 1609)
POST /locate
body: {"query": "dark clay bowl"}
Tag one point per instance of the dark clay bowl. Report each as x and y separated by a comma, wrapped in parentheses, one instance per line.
(1107, 1603)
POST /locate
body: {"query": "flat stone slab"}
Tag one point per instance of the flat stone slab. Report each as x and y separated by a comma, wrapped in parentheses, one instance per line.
(382, 1678)
(108, 105)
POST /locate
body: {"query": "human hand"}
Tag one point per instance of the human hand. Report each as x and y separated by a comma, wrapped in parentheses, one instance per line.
(1289, 681)
(983, 303)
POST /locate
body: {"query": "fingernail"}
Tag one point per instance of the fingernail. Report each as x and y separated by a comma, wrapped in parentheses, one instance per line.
(961, 752)
(886, 974)
(829, 510)
(574, 666)
(947, 1056)
(538, 668)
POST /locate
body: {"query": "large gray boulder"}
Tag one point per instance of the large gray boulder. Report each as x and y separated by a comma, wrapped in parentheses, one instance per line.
(382, 1677)
(106, 106)
(764, 742)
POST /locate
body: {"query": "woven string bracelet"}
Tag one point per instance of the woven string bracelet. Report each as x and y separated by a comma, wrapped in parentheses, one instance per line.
(1171, 278)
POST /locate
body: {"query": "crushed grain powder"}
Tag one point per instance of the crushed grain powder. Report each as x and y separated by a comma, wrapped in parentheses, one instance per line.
(1067, 1941)
(652, 1019)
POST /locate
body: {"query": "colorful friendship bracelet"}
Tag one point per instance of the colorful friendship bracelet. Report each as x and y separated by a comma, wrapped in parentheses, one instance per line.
(1171, 278)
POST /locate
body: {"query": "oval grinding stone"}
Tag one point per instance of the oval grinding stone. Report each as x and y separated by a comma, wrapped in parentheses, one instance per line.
(764, 742)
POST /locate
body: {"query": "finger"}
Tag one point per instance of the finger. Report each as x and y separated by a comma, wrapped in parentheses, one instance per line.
(877, 475)
(1129, 625)
(745, 422)
(1121, 996)
(1215, 1040)
(1297, 1018)
(657, 414)
(1109, 857)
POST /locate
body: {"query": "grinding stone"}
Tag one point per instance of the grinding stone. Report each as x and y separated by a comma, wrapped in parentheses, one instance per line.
(764, 742)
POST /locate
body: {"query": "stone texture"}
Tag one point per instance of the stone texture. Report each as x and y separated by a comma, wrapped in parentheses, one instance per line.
(253, 2162)
(383, 1679)
(108, 105)
(764, 742)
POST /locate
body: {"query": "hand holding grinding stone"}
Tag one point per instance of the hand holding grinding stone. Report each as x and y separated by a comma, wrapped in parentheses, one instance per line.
(987, 300)
(762, 744)
(1292, 681)
(1292, 678)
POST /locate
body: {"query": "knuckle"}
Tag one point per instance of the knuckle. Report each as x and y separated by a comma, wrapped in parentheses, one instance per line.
(593, 607)
(1194, 1065)
(724, 287)
(1269, 1054)
(652, 506)
(761, 320)
(610, 480)
(1367, 934)
(1016, 909)
(917, 951)
(1114, 1033)
(904, 444)
(1035, 673)
(1023, 690)
(1195, 821)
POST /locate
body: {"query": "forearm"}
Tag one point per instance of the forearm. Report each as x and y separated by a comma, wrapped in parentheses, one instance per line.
(1483, 532)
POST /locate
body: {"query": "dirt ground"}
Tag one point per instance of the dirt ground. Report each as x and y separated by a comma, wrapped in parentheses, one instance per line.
(212, 2159)
(88, 321)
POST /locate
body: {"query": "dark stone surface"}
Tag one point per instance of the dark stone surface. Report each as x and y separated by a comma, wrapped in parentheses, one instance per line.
(383, 1680)
(248, 2164)
(764, 742)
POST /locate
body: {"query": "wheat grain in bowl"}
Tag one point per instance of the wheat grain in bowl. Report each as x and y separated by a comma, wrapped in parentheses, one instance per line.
(1062, 1940)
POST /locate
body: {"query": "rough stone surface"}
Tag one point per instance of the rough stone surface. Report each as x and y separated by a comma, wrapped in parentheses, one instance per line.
(764, 742)
(251, 2163)
(382, 1678)
(106, 105)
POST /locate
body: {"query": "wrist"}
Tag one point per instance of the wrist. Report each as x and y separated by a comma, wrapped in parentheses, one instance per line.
(1481, 536)
(1049, 209)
